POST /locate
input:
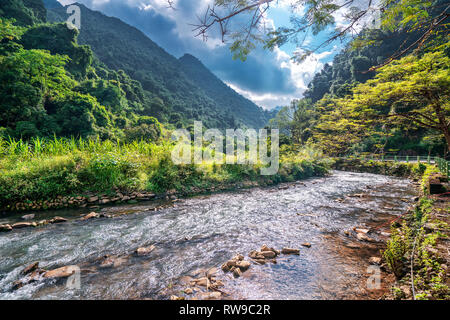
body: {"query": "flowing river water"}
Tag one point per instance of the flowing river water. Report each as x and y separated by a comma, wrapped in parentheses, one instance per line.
(205, 231)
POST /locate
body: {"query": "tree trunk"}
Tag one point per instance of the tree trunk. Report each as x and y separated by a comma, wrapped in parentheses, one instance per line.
(443, 126)
(447, 139)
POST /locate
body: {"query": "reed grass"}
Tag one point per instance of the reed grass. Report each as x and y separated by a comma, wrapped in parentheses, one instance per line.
(42, 169)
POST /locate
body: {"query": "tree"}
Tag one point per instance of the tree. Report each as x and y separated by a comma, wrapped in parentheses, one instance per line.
(28, 78)
(408, 95)
(81, 115)
(342, 125)
(283, 120)
(145, 128)
(305, 116)
(430, 17)
(58, 39)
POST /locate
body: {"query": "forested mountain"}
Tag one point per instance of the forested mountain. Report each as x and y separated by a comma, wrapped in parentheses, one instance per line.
(25, 12)
(174, 88)
(51, 85)
(109, 81)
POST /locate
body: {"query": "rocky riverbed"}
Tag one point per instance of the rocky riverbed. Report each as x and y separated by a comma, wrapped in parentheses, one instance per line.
(314, 239)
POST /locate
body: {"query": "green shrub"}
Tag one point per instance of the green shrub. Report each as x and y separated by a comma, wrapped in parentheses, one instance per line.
(396, 249)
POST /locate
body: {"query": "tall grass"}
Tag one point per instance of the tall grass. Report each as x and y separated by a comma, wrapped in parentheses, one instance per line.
(41, 147)
(41, 169)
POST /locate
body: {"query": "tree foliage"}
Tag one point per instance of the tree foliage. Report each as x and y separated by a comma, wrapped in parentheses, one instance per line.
(245, 23)
(409, 95)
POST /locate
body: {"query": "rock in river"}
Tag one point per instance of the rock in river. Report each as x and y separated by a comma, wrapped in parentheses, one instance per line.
(58, 220)
(111, 261)
(361, 230)
(255, 255)
(210, 295)
(145, 250)
(236, 262)
(20, 225)
(202, 282)
(375, 260)
(268, 254)
(290, 251)
(188, 291)
(28, 216)
(5, 228)
(243, 265)
(62, 272)
(89, 216)
(266, 248)
(32, 267)
(364, 237)
(237, 272)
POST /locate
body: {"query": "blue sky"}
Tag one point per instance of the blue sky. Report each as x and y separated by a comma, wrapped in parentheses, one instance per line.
(268, 78)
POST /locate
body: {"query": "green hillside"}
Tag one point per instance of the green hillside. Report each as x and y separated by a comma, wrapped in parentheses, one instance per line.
(51, 85)
(123, 47)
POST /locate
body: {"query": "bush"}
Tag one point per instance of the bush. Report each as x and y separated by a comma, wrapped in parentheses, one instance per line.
(395, 252)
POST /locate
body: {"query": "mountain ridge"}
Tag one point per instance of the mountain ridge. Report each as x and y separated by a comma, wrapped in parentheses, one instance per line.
(226, 96)
(121, 46)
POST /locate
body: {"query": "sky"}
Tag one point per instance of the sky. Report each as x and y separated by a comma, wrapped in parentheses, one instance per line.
(268, 78)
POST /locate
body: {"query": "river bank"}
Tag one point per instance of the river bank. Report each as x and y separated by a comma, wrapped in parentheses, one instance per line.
(413, 171)
(418, 250)
(416, 253)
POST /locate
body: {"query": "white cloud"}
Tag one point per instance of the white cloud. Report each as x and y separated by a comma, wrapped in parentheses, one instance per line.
(265, 100)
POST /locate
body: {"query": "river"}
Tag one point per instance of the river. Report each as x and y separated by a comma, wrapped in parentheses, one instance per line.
(205, 231)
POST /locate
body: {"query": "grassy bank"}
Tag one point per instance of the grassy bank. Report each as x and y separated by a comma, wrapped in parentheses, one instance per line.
(33, 174)
(417, 252)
